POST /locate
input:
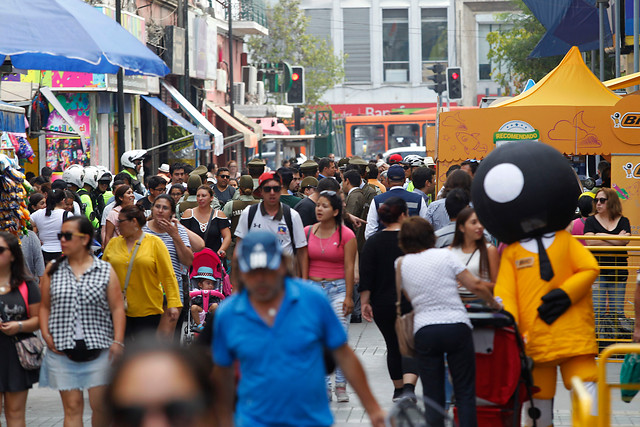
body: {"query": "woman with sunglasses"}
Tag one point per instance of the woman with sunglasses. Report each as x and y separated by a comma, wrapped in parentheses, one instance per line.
(210, 224)
(332, 251)
(18, 319)
(611, 284)
(151, 277)
(82, 321)
(123, 197)
(47, 222)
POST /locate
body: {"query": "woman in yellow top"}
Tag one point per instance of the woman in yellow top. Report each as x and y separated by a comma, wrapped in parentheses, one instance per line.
(152, 274)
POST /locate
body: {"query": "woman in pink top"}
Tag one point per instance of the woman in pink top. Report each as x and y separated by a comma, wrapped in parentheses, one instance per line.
(586, 208)
(332, 255)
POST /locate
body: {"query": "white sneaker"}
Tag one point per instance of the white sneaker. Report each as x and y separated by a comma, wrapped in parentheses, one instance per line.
(329, 394)
(341, 392)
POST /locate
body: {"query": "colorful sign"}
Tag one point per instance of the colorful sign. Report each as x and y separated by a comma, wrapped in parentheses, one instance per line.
(348, 110)
(63, 151)
(515, 130)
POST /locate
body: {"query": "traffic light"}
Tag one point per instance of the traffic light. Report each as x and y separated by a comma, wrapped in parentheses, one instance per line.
(454, 83)
(438, 78)
(295, 96)
(298, 115)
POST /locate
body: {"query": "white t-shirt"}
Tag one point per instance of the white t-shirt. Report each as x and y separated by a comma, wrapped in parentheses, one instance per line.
(48, 228)
(277, 227)
(429, 279)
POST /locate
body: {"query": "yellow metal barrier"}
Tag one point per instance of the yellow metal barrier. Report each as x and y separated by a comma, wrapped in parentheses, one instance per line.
(614, 290)
(604, 388)
(581, 402)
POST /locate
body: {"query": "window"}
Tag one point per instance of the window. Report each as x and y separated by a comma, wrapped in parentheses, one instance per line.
(434, 38)
(485, 67)
(367, 140)
(357, 33)
(319, 23)
(395, 45)
(404, 135)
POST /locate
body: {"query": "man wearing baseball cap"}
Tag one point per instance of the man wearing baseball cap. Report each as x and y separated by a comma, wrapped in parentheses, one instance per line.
(277, 328)
(278, 218)
(415, 203)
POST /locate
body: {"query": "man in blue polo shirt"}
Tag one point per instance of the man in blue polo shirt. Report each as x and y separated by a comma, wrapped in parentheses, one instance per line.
(277, 328)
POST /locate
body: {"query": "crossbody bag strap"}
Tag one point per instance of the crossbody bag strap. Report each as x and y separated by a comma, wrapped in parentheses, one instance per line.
(133, 257)
(206, 233)
(399, 286)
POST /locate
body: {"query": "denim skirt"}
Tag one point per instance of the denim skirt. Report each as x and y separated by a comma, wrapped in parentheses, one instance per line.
(61, 373)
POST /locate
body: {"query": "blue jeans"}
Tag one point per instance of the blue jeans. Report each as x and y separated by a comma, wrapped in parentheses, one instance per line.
(336, 291)
(606, 289)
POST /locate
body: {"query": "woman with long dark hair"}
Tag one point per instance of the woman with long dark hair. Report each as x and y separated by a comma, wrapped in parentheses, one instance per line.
(332, 251)
(123, 197)
(378, 292)
(209, 223)
(151, 277)
(47, 222)
(472, 249)
(82, 321)
(19, 305)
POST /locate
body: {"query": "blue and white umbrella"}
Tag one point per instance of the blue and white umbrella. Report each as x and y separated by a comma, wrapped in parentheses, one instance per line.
(70, 35)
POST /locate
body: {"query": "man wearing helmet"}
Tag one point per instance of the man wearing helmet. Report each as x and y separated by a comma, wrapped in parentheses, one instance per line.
(131, 162)
(82, 180)
(410, 163)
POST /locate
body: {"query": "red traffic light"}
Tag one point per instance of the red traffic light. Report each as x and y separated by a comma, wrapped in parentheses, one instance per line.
(295, 77)
(455, 76)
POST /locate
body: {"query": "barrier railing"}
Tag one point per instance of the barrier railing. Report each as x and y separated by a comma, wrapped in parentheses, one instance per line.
(614, 289)
(581, 402)
(604, 388)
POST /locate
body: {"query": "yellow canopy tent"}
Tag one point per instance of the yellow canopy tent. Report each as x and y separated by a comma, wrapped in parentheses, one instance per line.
(569, 109)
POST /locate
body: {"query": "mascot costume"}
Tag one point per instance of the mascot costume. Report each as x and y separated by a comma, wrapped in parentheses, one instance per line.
(525, 194)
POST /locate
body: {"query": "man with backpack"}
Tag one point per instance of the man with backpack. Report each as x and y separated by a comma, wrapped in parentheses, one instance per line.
(276, 217)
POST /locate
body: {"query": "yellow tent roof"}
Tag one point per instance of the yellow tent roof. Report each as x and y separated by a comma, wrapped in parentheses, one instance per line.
(571, 83)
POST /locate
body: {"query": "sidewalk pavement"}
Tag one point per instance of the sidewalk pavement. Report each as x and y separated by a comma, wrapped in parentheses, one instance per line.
(44, 407)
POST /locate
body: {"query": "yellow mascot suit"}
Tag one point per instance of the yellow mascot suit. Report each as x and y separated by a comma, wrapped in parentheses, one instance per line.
(526, 194)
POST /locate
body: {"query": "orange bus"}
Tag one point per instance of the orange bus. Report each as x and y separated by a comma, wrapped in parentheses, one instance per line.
(367, 136)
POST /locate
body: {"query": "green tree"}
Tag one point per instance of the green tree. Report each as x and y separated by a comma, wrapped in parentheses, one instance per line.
(508, 49)
(288, 41)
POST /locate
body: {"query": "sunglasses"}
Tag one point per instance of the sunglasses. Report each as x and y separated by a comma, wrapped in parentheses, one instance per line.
(3, 249)
(275, 189)
(68, 235)
(600, 200)
(177, 412)
(405, 167)
(120, 221)
(328, 193)
(225, 176)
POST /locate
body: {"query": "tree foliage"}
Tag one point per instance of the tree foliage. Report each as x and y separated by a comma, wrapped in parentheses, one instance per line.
(289, 42)
(509, 48)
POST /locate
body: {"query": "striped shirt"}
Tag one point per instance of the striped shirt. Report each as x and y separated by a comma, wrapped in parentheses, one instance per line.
(168, 241)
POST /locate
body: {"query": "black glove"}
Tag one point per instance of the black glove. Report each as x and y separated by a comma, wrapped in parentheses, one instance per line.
(554, 304)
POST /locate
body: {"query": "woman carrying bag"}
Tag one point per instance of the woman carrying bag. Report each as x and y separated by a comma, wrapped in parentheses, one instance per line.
(144, 268)
(82, 321)
(19, 304)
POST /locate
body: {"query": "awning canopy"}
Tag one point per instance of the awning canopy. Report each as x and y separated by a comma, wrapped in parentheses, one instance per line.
(249, 137)
(201, 140)
(271, 126)
(256, 128)
(571, 83)
(623, 82)
(11, 118)
(193, 112)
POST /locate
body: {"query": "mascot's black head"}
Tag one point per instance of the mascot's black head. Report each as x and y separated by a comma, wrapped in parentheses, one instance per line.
(523, 190)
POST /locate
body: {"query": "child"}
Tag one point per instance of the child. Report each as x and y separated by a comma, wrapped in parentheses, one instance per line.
(206, 294)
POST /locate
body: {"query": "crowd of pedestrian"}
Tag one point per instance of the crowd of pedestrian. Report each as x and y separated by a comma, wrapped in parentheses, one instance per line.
(310, 248)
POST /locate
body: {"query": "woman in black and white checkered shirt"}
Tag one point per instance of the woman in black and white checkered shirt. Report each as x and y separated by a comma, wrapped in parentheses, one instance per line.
(82, 320)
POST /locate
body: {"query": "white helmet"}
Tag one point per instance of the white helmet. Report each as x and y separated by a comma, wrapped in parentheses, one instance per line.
(129, 157)
(413, 160)
(91, 176)
(104, 174)
(74, 174)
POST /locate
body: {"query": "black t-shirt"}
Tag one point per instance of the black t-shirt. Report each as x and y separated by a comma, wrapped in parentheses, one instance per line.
(146, 204)
(307, 210)
(12, 305)
(213, 238)
(591, 225)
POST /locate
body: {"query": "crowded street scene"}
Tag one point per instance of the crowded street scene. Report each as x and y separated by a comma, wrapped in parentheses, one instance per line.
(316, 213)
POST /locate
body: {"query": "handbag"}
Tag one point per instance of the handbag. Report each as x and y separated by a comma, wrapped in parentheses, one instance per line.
(30, 348)
(404, 322)
(126, 280)
(630, 374)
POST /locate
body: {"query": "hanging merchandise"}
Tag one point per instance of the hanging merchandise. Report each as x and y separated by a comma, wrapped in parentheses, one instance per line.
(21, 146)
(14, 215)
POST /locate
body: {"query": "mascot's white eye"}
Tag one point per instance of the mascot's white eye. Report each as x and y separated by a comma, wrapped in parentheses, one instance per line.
(504, 182)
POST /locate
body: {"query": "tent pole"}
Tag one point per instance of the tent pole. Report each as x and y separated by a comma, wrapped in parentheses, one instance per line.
(120, 98)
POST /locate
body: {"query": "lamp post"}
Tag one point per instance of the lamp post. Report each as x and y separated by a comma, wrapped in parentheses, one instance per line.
(602, 5)
(120, 95)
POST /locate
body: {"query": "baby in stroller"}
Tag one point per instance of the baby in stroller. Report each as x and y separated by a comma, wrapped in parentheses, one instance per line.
(205, 298)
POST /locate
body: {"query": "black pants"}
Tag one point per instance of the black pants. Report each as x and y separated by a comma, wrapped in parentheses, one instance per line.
(432, 342)
(137, 326)
(384, 317)
(49, 256)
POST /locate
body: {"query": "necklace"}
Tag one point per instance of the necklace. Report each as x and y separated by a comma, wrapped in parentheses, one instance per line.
(4, 288)
(321, 239)
(272, 312)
